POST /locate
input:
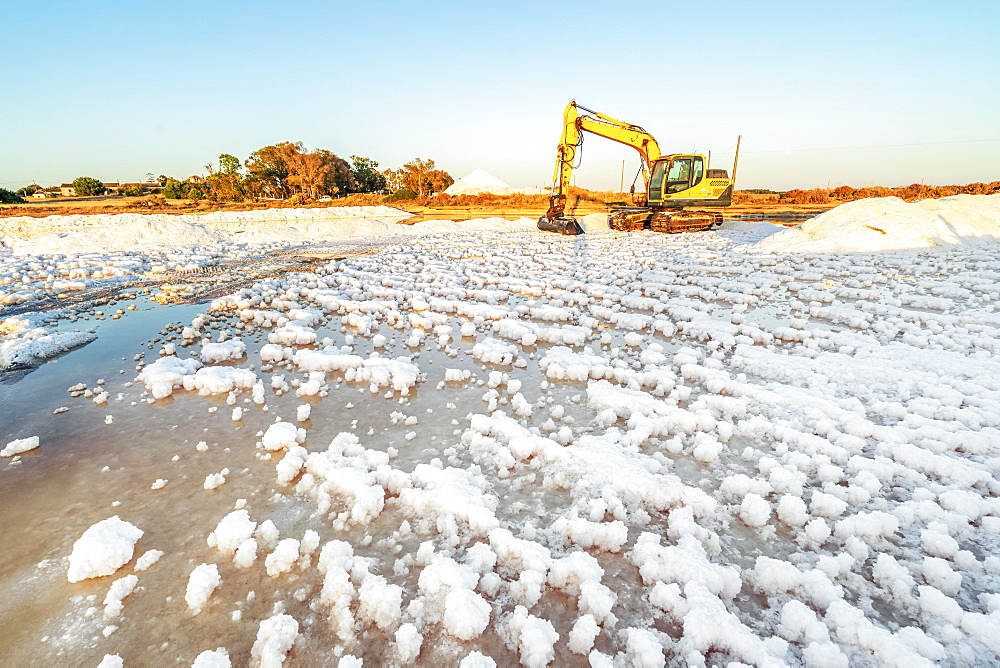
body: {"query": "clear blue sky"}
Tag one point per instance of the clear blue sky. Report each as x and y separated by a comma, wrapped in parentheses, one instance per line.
(856, 93)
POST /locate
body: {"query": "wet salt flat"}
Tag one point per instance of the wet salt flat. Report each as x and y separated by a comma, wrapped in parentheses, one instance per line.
(510, 447)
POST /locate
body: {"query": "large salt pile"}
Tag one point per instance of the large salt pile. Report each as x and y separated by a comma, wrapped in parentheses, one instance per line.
(889, 223)
(130, 231)
(139, 232)
(481, 181)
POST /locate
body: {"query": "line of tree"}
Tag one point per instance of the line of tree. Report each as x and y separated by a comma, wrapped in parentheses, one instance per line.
(840, 194)
(289, 171)
(283, 171)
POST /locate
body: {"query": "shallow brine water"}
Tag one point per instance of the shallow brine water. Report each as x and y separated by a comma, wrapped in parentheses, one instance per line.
(660, 450)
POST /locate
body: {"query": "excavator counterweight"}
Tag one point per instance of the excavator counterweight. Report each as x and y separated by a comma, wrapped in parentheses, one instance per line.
(672, 182)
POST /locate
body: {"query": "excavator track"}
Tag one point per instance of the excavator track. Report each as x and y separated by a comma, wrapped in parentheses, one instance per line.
(631, 219)
(670, 222)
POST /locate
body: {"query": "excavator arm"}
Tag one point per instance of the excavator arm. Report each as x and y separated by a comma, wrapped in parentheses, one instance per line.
(574, 124)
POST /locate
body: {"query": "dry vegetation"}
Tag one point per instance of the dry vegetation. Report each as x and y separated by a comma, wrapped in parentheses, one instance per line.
(843, 194)
(579, 201)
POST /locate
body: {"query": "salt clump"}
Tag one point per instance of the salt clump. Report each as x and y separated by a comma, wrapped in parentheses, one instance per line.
(213, 353)
(26, 343)
(213, 658)
(18, 446)
(232, 531)
(280, 436)
(102, 549)
(204, 579)
(275, 638)
(119, 589)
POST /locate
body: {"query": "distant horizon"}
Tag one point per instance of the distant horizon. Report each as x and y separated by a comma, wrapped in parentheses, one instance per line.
(739, 186)
(869, 94)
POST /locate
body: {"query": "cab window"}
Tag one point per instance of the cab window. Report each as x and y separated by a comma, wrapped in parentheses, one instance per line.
(679, 175)
(698, 173)
(656, 181)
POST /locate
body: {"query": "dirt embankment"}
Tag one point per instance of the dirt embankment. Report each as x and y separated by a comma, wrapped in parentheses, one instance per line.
(71, 206)
(430, 211)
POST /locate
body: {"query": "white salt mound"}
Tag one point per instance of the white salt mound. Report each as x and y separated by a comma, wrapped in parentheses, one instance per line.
(128, 231)
(481, 181)
(203, 581)
(889, 223)
(594, 223)
(19, 445)
(275, 637)
(103, 549)
(26, 344)
(213, 658)
(119, 589)
(279, 436)
(232, 531)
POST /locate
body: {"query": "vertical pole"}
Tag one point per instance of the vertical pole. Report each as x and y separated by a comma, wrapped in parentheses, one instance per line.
(736, 160)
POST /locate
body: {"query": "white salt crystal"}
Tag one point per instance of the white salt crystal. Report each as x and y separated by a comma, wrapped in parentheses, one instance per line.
(103, 549)
(202, 582)
(18, 446)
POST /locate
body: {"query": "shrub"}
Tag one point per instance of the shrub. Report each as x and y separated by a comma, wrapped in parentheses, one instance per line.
(133, 190)
(87, 186)
(150, 202)
(401, 195)
(8, 197)
(191, 191)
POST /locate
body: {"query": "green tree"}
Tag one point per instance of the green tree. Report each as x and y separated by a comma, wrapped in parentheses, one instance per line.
(87, 186)
(191, 191)
(172, 188)
(28, 191)
(9, 197)
(367, 176)
(227, 183)
(229, 164)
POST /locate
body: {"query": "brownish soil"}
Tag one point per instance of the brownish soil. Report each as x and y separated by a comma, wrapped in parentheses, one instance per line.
(118, 204)
(112, 204)
(421, 213)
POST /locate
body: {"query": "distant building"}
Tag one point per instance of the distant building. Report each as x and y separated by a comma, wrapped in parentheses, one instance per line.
(115, 188)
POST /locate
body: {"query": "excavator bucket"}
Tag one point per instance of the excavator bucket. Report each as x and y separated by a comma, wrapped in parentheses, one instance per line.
(560, 224)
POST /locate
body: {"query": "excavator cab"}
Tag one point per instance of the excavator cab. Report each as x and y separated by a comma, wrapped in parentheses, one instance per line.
(683, 180)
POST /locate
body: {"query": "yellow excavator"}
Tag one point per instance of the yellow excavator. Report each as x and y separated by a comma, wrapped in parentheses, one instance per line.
(673, 182)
